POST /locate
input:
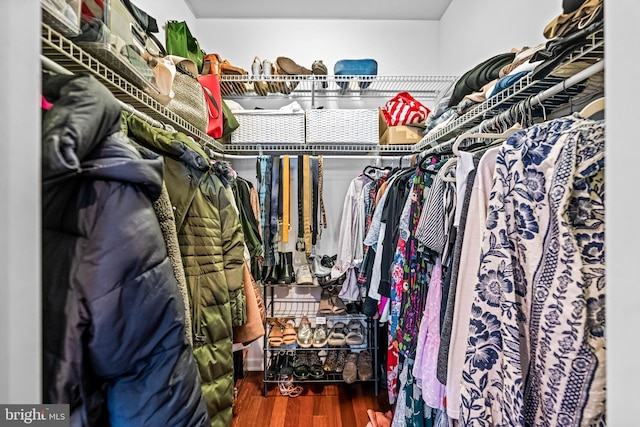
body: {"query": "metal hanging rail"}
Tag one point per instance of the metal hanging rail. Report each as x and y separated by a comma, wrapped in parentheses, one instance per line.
(532, 101)
(592, 50)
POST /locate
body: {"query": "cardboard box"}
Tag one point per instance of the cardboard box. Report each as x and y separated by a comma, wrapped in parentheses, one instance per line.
(396, 135)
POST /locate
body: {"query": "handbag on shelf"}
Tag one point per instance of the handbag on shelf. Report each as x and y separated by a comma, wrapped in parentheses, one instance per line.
(180, 90)
(404, 109)
(355, 67)
(215, 118)
(180, 42)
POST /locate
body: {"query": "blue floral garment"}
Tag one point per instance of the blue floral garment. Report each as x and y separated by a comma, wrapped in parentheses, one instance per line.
(497, 355)
(566, 383)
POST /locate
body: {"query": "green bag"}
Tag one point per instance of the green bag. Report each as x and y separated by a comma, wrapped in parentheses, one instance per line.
(230, 121)
(180, 42)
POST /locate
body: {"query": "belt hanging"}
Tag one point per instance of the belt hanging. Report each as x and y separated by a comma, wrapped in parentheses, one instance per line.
(314, 200)
(323, 215)
(307, 204)
(300, 242)
(286, 197)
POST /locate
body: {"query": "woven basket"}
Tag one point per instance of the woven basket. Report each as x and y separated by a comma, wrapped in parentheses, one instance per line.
(261, 126)
(189, 102)
(349, 126)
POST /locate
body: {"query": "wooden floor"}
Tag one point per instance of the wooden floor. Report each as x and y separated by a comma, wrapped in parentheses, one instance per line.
(319, 405)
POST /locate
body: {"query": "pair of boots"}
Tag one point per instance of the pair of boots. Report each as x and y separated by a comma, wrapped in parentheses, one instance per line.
(282, 272)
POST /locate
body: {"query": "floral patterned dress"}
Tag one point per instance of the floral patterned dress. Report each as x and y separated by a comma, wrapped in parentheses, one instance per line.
(534, 354)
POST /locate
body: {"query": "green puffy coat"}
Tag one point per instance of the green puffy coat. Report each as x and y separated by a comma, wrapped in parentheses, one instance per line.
(211, 245)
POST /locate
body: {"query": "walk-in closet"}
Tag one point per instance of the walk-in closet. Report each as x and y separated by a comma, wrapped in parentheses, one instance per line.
(370, 214)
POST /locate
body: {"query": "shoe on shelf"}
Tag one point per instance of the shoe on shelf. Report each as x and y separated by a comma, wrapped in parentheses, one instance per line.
(301, 366)
(350, 370)
(286, 367)
(365, 366)
(256, 67)
(305, 333)
(286, 264)
(320, 336)
(329, 261)
(355, 336)
(326, 304)
(276, 363)
(276, 335)
(289, 334)
(330, 361)
(317, 268)
(319, 69)
(340, 361)
(337, 335)
(316, 370)
(303, 276)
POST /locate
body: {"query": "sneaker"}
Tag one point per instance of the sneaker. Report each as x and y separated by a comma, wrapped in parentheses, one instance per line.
(318, 269)
(256, 67)
(303, 276)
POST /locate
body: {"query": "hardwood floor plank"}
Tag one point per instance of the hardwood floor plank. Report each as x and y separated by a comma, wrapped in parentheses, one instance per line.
(319, 405)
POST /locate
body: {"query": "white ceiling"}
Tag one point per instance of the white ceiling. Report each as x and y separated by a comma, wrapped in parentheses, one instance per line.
(319, 9)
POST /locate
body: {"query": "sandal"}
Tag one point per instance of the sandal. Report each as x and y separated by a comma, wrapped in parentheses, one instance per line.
(326, 306)
(275, 335)
(289, 335)
(316, 370)
(356, 333)
(305, 334)
(337, 335)
(301, 366)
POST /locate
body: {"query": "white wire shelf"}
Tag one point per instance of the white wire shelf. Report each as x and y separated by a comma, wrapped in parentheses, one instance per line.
(319, 148)
(73, 58)
(330, 86)
(526, 87)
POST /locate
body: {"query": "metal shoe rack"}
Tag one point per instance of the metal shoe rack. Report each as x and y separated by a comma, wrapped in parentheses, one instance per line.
(281, 304)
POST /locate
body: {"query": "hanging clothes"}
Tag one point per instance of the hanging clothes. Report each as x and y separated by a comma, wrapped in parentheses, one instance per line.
(114, 340)
(214, 272)
(530, 335)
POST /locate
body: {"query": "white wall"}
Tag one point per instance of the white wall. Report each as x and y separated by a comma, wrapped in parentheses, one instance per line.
(472, 31)
(165, 10)
(400, 47)
(20, 295)
(623, 235)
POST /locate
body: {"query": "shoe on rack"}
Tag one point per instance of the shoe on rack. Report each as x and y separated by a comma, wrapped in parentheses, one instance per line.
(256, 67)
(286, 273)
(305, 333)
(301, 366)
(350, 370)
(316, 370)
(318, 269)
(337, 335)
(319, 69)
(289, 334)
(355, 336)
(330, 361)
(365, 366)
(329, 261)
(286, 367)
(320, 336)
(303, 276)
(340, 361)
(276, 363)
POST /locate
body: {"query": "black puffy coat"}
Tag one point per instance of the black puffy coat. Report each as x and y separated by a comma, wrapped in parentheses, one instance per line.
(113, 318)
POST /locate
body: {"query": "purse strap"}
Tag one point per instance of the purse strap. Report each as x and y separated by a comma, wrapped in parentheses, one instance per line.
(208, 93)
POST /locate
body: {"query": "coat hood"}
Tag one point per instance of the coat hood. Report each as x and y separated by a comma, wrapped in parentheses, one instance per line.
(81, 135)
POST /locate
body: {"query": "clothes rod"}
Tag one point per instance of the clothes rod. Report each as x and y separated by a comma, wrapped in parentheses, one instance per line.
(324, 156)
(548, 93)
(50, 65)
(533, 101)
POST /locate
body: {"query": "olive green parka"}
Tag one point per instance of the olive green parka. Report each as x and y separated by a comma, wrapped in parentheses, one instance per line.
(211, 245)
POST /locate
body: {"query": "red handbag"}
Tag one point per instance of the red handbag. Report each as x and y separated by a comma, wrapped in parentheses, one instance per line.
(211, 86)
(404, 109)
